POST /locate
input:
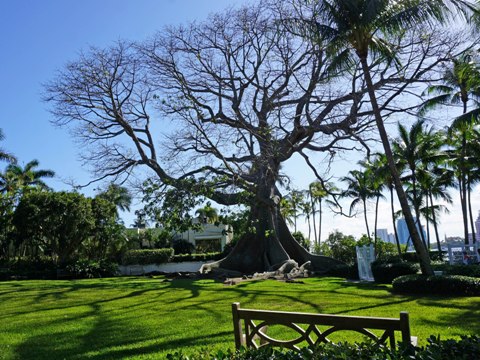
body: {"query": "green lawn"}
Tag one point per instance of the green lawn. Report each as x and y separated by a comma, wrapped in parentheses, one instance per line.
(147, 318)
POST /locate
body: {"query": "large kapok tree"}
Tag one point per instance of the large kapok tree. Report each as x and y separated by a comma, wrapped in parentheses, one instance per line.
(216, 108)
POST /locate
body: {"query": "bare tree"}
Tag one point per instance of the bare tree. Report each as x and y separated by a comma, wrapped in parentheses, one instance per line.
(241, 96)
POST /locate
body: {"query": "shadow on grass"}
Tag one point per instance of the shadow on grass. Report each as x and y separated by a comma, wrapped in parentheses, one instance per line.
(128, 317)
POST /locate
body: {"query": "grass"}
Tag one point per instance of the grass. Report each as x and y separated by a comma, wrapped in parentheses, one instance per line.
(147, 318)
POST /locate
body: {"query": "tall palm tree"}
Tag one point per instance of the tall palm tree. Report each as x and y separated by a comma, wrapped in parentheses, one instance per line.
(18, 178)
(376, 185)
(460, 85)
(384, 176)
(363, 28)
(360, 189)
(4, 155)
(318, 191)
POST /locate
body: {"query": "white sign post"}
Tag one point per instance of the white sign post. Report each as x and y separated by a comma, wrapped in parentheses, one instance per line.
(365, 257)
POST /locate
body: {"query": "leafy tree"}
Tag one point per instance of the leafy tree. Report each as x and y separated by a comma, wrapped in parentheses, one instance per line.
(340, 247)
(55, 222)
(245, 94)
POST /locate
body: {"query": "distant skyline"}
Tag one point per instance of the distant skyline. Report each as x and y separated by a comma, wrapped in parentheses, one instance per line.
(40, 37)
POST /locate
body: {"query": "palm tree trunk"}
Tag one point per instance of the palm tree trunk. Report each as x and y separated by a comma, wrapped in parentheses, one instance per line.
(463, 202)
(472, 221)
(376, 224)
(397, 240)
(314, 211)
(435, 226)
(366, 219)
(402, 197)
(320, 221)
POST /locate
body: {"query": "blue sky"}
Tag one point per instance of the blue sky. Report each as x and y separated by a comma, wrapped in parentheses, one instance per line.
(39, 37)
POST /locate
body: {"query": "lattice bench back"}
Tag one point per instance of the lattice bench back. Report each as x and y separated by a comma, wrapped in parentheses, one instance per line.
(255, 323)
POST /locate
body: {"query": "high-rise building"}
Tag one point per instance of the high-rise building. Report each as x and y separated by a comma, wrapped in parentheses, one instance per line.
(477, 227)
(404, 234)
(383, 234)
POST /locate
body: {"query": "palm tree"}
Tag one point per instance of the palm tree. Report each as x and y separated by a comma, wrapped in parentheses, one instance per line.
(376, 185)
(384, 176)
(318, 191)
(18, 178)
(207, 214)
(118, 195)
(363, 28)
(5, 156)
(460, 85)
(359, 187)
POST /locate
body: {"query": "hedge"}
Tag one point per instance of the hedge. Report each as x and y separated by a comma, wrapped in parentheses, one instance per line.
(468, 347)
(160, 256)
(438, 285)
(147, 256)
(197, 257)
(385, 271)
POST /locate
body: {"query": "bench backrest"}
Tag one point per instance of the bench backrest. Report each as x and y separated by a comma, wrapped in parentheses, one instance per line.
(250, 327)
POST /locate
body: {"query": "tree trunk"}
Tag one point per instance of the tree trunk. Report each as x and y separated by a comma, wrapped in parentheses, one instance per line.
(366, 220)
(402, 197)
(463, 202)
(435, 226)
(395, 232)
(256, 253)
(472, 221)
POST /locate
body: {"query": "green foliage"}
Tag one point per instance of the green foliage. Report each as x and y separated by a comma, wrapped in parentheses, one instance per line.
(58, 221)
(385, 271)
(459, 269)
(89, 269)
(300, 238)
(468, 347)
(147, 256)
(345, 271)
(28, 268)
(196, 257)
(439, 285)
(181, 246)
(340, 247)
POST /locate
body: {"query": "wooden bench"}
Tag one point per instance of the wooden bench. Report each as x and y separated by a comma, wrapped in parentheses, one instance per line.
(250, 327)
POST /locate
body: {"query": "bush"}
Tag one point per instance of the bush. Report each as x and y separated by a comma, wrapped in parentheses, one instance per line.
(465, 270)
(468, 347)
(147, 256)
(196, 257)
(385, 271)
(183, 247)
(89, 269)
(345, 271)
(438, 285)
(28, 268)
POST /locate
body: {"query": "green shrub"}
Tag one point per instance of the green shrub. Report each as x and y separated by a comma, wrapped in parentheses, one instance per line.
(182, 247)
(465, 270)
(196, 257)
(439, 285)
(147, 256)
(89, 269)
(385, 271)
(345, 271)
(468, 347)
(28, 268)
